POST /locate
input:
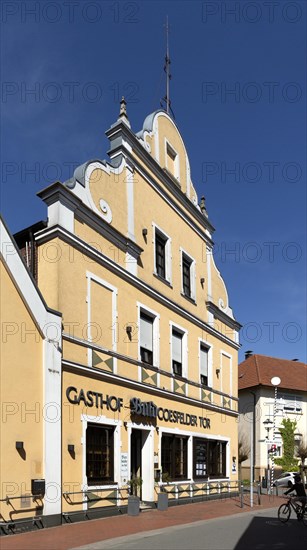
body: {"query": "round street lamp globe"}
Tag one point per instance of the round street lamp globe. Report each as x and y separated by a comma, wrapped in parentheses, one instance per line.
(275, 381)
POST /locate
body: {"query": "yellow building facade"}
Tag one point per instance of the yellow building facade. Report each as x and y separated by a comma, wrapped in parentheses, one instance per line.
(149, 344)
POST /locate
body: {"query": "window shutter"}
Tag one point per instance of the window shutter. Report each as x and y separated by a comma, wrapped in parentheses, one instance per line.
(146, 340)
(177, 347)
(203, 360)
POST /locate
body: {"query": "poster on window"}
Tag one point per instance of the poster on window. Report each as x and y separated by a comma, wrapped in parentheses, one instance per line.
(124, 467)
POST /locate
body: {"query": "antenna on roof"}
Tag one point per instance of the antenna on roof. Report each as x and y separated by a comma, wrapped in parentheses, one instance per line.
(167, 65)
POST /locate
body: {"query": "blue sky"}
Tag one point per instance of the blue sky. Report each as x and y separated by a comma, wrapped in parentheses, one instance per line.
(238, 92)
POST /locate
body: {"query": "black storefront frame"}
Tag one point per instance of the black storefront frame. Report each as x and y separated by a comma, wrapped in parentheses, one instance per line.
(209, 458)
(172, 447)
(99, 453)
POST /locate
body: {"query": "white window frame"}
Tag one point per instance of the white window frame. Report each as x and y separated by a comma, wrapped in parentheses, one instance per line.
(168, 146)
(155, 333)
(184, 350)
(198, 435)
(168, 253)
(210, 360)
(183, 252)
(86, 419)
(290, 404)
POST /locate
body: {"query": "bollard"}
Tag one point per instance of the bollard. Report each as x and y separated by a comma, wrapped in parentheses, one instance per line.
(162, 502)
(259, 493)
(133, 506)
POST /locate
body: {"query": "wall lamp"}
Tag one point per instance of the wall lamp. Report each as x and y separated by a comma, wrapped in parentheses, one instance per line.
(202, 281)
(217, 372)
(129, 331)
(144, 231)
(19, 445)
(71, 448)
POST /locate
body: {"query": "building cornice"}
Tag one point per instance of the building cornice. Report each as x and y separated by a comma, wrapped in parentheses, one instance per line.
(58, 192)
(93, 372)
(222, 316)
(58, 232)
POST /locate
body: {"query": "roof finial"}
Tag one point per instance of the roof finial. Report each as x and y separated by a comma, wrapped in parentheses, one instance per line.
(166, 98)
(167, 68)
(123, 112)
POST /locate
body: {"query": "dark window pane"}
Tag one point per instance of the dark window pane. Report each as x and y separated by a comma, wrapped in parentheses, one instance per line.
(174, 457)
(200, 458)
(216, 458)
(160, 255)
(177, 368)
(99, 454)
(146, 356)
(186, 276)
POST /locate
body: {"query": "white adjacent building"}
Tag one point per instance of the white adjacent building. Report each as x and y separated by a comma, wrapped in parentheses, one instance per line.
(256, 405)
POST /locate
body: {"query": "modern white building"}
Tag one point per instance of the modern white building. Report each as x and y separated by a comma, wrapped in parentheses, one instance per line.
(256, 405)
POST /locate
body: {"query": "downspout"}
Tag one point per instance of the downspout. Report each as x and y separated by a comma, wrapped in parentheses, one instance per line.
(32, 269)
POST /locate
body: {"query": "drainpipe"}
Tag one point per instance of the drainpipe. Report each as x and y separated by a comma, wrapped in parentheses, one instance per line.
(32, 268)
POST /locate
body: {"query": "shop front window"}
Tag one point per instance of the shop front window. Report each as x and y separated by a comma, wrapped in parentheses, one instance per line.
(209, 458)
(99, 454)
(174, 457)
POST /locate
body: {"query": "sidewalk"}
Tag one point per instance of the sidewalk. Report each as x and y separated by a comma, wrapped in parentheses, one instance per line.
(73, 535)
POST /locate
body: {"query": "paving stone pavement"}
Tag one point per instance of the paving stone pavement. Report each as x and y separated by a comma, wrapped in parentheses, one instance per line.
(68, 536)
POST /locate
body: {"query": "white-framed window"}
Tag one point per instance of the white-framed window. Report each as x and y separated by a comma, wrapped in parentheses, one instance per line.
(100, 451)
(172, 160)
(179, 351)
(290, 403)
(205, 363)
(162, 254)
(148, 321)
(203, 352)
(187, 263)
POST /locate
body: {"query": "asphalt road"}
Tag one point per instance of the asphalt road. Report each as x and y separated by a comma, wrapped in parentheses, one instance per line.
(252, 531)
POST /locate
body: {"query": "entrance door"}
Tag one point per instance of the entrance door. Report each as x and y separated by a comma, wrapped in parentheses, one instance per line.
(136, 462)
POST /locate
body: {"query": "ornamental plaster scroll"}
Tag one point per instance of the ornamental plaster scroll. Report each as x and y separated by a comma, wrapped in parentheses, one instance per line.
(83, 191)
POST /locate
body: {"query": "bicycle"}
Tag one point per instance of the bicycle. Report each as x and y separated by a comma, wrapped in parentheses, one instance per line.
(284, 511)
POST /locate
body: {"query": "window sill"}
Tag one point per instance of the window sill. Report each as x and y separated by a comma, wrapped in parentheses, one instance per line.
(175, 481)
(106, 485)
(191, 300)
(181, 378)
(165, 281)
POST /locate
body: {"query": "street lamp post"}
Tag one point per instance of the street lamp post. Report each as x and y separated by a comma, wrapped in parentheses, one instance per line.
(275, 381)
(267, 423)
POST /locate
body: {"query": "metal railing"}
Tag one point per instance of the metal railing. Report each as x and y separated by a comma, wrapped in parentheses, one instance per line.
(201, 491)
(218, 400)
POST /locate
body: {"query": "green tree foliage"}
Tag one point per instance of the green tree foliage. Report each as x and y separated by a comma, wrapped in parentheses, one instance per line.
(287, 430)
(243, 452)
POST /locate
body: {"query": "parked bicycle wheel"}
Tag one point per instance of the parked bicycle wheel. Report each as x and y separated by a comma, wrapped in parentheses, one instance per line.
(284, 512)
